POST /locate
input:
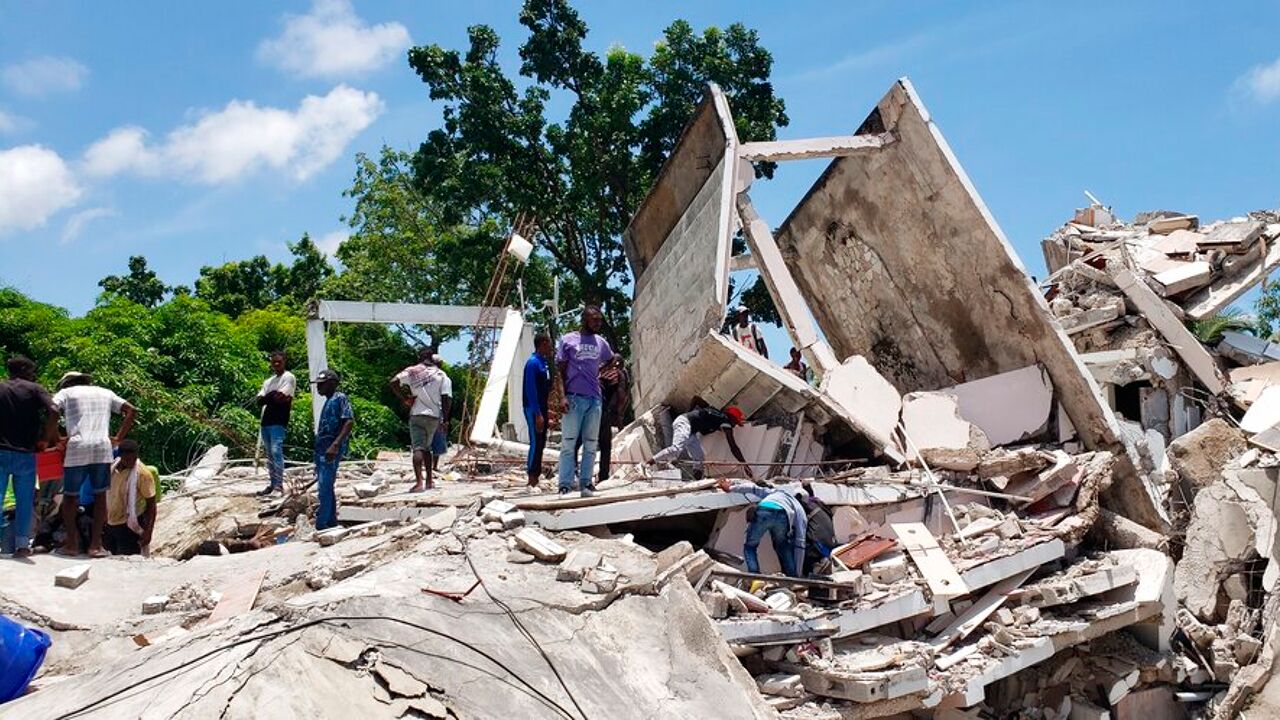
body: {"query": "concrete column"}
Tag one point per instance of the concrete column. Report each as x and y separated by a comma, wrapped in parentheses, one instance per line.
(317, 360)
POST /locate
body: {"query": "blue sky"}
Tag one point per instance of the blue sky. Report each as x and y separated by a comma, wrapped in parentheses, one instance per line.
(194, 133)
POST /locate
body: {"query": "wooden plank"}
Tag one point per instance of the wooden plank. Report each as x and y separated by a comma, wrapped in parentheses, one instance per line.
(976, 614)
(237, 598)
(857, 554)
(944, 581)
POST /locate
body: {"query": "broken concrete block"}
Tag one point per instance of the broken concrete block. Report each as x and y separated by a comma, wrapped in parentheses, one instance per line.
(442, 520)
(348, 570)
(495, 509)
(1182, 277)
(1150, 703)
(577, 564)
(540, 546)
(493, 526)
(154, 604)
(331, 536)
(716, 604)
(511, 520)
(1012, 462)
(599, 580)
(888, 568)
(959, 460)
(1179, 242)
(858, 388)
(1199, 456)
(1009, 407)
(675, 553)
(366, 490)
(1166, 225)
(72, 577)
(781, 684)
(1264, 413)
(400, 683)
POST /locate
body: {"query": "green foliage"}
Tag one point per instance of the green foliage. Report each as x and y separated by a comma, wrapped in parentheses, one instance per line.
(499, 155)
(141, 285)
(1209, 330)
(236, 287)
(1267, 310)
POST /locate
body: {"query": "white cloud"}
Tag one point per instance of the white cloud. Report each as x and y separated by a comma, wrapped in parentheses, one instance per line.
(34, 184)
(332, 41)
(1261, 83)
(77, 222)
(10, 123)
(45, 75)
(241, 138)
(329, 242)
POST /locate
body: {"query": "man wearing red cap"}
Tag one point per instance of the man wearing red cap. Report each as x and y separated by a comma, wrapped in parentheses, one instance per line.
(686, 440)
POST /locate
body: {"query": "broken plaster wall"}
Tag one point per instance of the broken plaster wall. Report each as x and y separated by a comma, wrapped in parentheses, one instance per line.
(901, 262)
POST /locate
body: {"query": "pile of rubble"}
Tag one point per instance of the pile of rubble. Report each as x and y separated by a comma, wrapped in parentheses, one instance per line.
(1048, 502)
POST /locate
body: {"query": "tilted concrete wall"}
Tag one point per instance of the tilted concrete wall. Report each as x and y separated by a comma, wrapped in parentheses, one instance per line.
(901, 262)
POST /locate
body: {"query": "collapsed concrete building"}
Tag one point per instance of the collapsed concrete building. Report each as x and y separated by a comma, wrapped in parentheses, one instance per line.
(1050, 500)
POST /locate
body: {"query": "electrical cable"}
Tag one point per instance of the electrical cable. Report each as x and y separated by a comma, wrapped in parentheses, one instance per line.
(302, 626)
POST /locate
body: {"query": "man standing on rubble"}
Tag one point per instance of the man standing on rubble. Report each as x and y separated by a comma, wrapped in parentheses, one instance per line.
(22, 434)
(686, 438)
(440, 442)
(131, 504)
(783, 517)
(276, 400)
(746, 334)
(87, 410)
(537, 392)
(614, 387)
(579, 358)
(332, 434)
(421, 387)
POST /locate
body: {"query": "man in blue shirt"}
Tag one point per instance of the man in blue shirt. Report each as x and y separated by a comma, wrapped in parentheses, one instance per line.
(332, 433)
(537, 390)
(780, 515)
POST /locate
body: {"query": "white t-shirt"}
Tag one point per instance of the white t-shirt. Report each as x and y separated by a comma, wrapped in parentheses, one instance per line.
(87, 411)
(284, 382)
(427, 383)
(748, 337)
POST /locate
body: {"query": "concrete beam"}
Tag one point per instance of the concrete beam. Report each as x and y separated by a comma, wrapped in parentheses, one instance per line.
(485, 426)
(813, 148)
(406, 313)
(633, 510)
(1224, 291)
(317, 360)
(1154, 309)
(782, 287)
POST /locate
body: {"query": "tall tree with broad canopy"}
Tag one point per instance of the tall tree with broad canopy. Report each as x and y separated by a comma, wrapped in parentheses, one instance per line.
(141, 285)
(499, 155)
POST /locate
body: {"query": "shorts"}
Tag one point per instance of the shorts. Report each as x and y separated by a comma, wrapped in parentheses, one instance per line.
(98, 475)
(422, 430)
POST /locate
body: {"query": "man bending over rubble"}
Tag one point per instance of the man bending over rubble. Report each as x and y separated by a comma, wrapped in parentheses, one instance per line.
(332, 433)
(783, 517)
(686, 440)
(131, 504)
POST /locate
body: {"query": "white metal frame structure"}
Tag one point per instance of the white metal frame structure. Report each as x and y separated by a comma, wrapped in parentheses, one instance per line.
(515, 337)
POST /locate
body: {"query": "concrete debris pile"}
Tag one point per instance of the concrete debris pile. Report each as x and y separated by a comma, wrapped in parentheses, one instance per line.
(1031, 502)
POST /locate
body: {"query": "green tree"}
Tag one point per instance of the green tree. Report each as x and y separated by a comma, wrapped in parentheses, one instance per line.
(237, 286)
(1210, 329)
(302, 280)
(141, 285)
(499, 156)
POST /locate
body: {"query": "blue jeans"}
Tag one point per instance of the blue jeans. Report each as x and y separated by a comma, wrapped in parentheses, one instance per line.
(273, 444)
(537, 442)
(97, 476)
(326, 476)
(583, 419)
(21, 467)
(778, 525)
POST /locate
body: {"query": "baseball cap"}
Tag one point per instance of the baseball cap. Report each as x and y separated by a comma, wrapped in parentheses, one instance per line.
(324, 375)
(742, 309)
(734, 414)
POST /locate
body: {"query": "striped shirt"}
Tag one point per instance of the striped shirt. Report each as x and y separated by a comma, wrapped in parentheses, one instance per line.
(87, 410)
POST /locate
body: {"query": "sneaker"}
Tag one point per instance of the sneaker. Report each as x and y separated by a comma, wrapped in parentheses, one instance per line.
(267, 491)
(588, 491)
(564, 492)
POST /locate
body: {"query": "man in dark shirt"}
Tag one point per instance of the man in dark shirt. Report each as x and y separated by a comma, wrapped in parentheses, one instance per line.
(537, 392)
(276, 400)
(22, 434)
(333, 433)
(614, 384)
(686, 441)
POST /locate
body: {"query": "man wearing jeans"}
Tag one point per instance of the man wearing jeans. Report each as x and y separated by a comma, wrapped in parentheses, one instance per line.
(87, 410)
(332, 433)
(22, 401)
(537, 392)
(276, 400)
(780, 515)
(579, 358)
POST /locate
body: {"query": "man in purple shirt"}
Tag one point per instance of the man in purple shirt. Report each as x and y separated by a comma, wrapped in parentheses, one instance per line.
(579, 359)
